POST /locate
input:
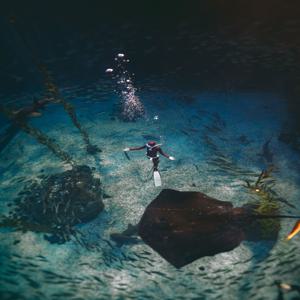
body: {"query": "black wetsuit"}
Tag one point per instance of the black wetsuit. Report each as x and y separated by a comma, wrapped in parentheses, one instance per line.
(152, 153)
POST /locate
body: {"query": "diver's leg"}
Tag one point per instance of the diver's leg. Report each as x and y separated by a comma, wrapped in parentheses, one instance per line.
(155, 163)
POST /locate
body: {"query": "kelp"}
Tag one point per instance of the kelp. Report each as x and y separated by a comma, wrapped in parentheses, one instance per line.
(262, 187)
(42, 138)
(53, 95)
(268, 199)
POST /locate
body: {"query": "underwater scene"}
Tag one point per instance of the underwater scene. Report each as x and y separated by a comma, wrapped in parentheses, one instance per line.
(150, 150)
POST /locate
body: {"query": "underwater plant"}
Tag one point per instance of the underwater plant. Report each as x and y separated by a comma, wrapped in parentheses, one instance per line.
(262, 187)
(52, 92)
(55, 96)
(20, 122)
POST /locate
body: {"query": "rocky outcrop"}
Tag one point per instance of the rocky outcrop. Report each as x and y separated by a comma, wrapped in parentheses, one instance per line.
(58, 203)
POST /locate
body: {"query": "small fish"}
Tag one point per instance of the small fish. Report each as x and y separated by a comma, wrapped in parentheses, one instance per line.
(121, 239)
(185, 132)
(105, 196)
(127, 156)
(243, 140)
(294, 231)
(193, 129)
(35, 114)
(266, 152)
(286, 202)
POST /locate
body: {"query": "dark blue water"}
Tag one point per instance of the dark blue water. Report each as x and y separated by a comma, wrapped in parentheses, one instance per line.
(219, 90)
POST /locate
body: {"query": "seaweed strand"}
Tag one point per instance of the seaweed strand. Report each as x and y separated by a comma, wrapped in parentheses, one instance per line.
(38, 135)
(54, 94)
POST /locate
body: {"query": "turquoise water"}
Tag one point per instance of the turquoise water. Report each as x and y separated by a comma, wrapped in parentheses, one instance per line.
(215, 82)
(217, 140)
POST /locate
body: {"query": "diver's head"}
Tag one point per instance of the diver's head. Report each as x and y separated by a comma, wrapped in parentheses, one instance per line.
(151, 143)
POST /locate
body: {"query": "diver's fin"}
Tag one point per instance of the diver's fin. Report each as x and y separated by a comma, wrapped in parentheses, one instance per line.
(294, 231)
(157, 179)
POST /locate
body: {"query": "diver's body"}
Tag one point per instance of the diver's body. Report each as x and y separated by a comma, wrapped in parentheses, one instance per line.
(152, 153)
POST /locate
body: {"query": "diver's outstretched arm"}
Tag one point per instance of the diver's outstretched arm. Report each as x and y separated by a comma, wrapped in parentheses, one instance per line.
(165, 155)
(134, 148)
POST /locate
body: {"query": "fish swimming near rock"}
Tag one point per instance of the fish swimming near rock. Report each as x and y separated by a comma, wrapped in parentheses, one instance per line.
(185, 226)
(128, 236)
(57, 203)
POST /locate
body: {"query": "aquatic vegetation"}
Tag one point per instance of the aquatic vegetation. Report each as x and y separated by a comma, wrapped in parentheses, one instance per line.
(268, 199)
(21, 116)
(212, 134)
(228, 166)
(58, 203)
(55, 96)
(19, 119)
(262, 183)
(173, 58)
(38, 135)
(262, 187)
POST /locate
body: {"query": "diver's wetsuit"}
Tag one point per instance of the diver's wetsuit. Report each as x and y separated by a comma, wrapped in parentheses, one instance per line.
(152, 153)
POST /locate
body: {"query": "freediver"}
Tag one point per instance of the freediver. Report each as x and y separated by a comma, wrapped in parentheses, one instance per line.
(153, 150)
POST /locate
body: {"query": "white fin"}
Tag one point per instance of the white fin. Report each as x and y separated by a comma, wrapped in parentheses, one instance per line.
(157, 179)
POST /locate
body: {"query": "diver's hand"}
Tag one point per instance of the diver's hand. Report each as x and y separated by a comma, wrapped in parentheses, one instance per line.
(171, 158)
(126, 149)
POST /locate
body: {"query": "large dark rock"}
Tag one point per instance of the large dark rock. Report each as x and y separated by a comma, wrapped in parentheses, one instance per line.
(185, 226)
(60, 201)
